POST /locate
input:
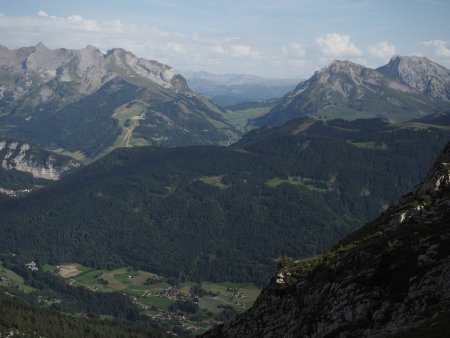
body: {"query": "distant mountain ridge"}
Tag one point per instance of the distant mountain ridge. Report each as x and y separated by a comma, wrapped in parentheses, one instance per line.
(90, 101)
(232, 89)
(406, 88)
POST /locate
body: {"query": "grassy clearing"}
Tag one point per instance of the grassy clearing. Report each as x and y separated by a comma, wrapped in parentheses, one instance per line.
(88, 278)
(49, 268)
(77, 155)
(240, 296)
(308, 183)
(14, 279)
(139, 142)
(303, 126)
(421, 126)
(215, 181)
(162, 303)
(211, 304)
(369, 145)
(240, 118)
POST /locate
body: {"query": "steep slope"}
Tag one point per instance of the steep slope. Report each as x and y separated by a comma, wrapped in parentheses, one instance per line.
(30, 159)
(391, 277)
(420, 73)
(85, 103)
(26, 167)
(221, 213)
(348, 90)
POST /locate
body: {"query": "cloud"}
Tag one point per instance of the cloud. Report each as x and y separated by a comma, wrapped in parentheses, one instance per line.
(243, 51)
(382, 50)
(43, 14)
(234, 51)
(218, 49)
(217, 53)
(86, 24)
(175, 47)
(440, 48)
(336, 45)
(232, 38)
(294, 51)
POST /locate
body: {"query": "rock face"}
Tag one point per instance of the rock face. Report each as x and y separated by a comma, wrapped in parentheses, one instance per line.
(420, 73)
(390, 277)
(405, 89)
(41, 164)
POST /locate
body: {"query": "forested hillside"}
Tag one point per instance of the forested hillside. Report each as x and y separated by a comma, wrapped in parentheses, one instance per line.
(216, 213)
(20, 319)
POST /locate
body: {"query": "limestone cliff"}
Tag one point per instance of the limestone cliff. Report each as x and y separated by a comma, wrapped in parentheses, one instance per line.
(39, 163)
(391, 277)
(420, 73)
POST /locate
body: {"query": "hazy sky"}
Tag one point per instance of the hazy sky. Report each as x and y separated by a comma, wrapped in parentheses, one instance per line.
(279, 38)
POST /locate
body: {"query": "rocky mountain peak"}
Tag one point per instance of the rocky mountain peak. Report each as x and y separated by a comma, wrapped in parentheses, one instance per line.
(40, 47)
(154, 71)
(343, 77)
(344, 66)
(419, 73)
(44, 61)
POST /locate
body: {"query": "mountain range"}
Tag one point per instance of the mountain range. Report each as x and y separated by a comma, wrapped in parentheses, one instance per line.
(85, 103)
(110, 161)
(404, 89)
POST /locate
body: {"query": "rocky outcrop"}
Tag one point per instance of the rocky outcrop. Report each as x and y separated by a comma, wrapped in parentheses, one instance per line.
(420, 73)
(154, 71)
(39, 163)
(391, 276)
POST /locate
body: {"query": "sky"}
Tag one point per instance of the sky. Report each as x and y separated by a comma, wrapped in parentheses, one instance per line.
(277, 38)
